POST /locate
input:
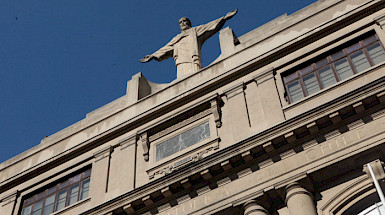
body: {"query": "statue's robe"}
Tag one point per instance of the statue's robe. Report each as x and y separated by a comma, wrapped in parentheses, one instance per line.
(185, 47)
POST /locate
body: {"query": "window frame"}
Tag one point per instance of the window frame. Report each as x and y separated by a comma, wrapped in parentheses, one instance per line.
(293, 75)
(46, 192)
(178, 159)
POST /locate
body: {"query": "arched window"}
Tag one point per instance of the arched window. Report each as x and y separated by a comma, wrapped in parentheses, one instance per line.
(376, 209)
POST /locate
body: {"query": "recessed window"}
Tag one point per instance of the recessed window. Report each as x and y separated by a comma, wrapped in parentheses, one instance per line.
(58, 196)
(182, 141)
(336, 66)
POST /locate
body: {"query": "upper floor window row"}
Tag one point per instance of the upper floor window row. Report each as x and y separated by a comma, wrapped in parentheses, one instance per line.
(58, 196)
(336, 66)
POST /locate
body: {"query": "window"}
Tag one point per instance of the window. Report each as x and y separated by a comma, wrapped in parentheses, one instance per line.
(182, 141)
(376, 209)
(59, 195)
(336, 66)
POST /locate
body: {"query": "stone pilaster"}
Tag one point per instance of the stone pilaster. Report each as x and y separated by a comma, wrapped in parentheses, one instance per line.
(100, 175)
(380, 26)
(299, 200)
(236, 105)
(253, 208)
(127, 162)
(263, 101)
(8, 203)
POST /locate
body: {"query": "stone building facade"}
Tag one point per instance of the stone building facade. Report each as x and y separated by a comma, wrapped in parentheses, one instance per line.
(289, 120)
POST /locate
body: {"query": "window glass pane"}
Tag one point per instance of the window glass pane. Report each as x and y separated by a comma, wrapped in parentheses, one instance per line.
(51, 190)
(63, 184)
(343, 69)
(74, 193)
(381, 208)
(290, 77)
(85, 189)
(40, 196)
(322, 63)
(327, 77)
(311, 84)
(295, 91)
(182, 141)
(27, 210)
(48, 205)
(370, 40)
(359, 61)
(353, 48)
(61, 200)
(87, 173)
(37, 208)
(75, 179)
(28, 201)
(338, 55)
(306, 70)
(376, 53)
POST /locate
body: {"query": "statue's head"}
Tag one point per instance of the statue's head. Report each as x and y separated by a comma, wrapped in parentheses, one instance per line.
(184, 23)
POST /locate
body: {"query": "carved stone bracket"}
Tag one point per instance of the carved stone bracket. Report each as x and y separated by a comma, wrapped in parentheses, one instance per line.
(145, 145)
(216, 111)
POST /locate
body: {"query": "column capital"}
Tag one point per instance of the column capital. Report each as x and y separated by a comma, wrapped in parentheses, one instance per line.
(252, 207)
(378, 169)
(295, 188)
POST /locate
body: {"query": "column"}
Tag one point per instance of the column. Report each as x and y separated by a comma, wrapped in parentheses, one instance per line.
(253, 208)
(8, 203)
(299, 201)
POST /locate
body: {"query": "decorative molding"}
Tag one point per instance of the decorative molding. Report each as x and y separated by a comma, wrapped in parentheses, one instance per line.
(103, 153)
(128, 141)
(380, 20)
(264, 76)
(180, 125)
(171, 168)
(216, 111)
(145, 145)
(235, 90)
(10, 198)
(378, 169)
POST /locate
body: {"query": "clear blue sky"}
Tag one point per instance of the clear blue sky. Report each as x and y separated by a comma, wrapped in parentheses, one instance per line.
(60, 59)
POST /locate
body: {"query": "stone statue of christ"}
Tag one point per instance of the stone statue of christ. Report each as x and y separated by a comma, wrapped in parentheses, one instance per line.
(185, 47)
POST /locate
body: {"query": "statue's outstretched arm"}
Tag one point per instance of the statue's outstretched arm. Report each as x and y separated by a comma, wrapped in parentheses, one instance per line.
(146, 58)
(230, 14)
